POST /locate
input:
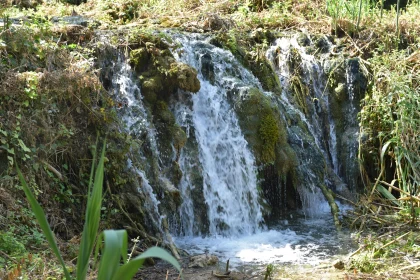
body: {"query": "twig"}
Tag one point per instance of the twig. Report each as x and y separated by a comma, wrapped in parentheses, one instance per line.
(380, 204)
(53, 170)
(410, 266)
(393, 241)
(357, 251)
(345, 199)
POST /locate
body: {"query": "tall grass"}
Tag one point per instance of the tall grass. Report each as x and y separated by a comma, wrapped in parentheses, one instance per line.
(114, 251)
(390, 118)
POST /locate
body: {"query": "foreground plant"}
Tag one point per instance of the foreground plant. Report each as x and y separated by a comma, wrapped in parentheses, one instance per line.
(114, 241)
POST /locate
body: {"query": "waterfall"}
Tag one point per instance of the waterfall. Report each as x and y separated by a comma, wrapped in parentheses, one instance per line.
(218, 207)
(135, 117)
(227, 165)
(292, 62)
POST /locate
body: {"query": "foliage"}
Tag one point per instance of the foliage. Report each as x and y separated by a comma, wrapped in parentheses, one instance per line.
(390, 120)
(114, 240)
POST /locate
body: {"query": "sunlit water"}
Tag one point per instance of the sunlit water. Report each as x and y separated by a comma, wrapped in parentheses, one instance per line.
(294, 241)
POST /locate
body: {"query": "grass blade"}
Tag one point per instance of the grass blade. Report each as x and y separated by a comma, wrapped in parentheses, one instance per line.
(42, 220)
(93, 216)
(388, 195)
(128, 270)
(114, 241)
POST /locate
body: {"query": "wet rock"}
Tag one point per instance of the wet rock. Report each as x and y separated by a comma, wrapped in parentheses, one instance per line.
(338, 264)
(322, 44)
(187, 78)
(207, 68)
(203, 261)
(303, 40)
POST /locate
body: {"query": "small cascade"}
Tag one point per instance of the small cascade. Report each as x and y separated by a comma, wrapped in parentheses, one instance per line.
(210, 190)
(306, 100)
(227, 165)
(297, 68)
(134, 115)
(151, 203)
(132, 110)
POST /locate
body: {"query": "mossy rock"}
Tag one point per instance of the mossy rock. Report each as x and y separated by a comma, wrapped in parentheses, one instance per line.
(185, 77)
(160, 74)
(140, 58)
(261, 125)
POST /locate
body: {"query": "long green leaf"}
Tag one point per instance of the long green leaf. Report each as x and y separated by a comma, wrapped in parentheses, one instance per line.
(42, 220)
(388, 195)
(128, 270)
(93, 216)
(115, 247)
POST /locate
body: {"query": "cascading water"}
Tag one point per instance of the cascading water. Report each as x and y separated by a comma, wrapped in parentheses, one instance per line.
(227, 164)
(229, 174)
(221, 206)
(313, 107)
(135, 117)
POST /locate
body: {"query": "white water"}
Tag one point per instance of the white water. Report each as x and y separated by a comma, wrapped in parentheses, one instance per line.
(279, 55)
(294, 241)
(229, 173)
(230, 179)
(134, 116)
(227, 164)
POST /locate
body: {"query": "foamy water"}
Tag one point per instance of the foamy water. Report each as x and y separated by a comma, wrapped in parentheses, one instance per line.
(293, 241)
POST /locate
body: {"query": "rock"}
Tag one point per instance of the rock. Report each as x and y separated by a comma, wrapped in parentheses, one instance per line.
(203, 261)
(75, 20)
(186, 77)
(214, 22)
(338, 264)
(207, 68)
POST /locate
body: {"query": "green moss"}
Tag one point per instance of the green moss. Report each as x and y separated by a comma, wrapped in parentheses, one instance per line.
(269, 134)
(262, 126)
(301, 91)
(140, 58)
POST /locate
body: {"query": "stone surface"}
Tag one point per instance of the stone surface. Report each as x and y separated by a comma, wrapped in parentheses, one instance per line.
(202, 261)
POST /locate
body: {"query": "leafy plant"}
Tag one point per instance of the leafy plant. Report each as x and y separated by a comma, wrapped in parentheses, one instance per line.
(113, 240)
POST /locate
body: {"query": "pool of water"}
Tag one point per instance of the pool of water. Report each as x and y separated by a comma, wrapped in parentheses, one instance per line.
(294, 241)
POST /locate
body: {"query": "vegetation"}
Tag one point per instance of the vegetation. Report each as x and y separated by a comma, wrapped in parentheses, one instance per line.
(52, 102)
(114, 240)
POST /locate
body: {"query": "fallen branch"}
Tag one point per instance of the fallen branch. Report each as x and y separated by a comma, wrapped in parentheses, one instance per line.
(357, 251)
(7, 256)
(221, 276)
(53, 170)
